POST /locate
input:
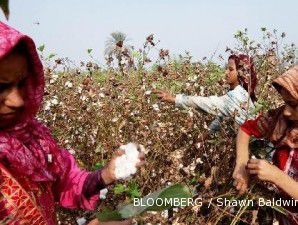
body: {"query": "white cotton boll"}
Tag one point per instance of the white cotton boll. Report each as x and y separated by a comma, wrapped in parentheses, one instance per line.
(81, 221)
(202, 90)
(47, 106)
(155, 107)
(148, 92)
(199, 160)
(68, 84)
(115, 119)
(199, 145)
(83, 98)
(275, 222)
(165, 214)
(54, 101)
(71, 151)
(125, 165)
(55, 76)
(103, 193)
(79, 90)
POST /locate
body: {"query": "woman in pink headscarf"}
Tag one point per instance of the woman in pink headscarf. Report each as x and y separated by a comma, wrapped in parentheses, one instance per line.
(35, 173)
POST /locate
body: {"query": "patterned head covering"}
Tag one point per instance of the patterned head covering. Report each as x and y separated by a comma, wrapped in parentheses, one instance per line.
(246, 73)
(274, 124)
(26, 146)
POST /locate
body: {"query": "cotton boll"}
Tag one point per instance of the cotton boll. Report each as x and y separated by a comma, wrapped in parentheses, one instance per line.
(165, 214)
(142, 149)
(68, 84)
(147, 93)
(81, 221)
(155, 107)
(103, 193)
(125, 165)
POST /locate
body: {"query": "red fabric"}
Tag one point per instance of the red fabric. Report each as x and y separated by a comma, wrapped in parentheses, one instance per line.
(280, 157)
(251, 128)
(67, 190)
(19, 206)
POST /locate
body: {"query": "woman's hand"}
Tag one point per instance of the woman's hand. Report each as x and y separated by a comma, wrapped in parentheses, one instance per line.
(241, 179)
(263, 170)
(97, 222)
(108, 172)
(164, 96)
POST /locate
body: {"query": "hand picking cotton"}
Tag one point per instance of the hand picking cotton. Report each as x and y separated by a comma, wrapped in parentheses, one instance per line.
(125, 165)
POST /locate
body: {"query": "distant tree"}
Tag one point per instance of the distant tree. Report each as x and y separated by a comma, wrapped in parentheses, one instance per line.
(117, 47)
(4, 5)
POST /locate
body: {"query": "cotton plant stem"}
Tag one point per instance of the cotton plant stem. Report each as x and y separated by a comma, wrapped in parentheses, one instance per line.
(224, 211)
(227, 213)
(239, 214)
(242, 208)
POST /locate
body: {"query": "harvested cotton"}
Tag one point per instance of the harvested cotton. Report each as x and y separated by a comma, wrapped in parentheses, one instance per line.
(81, 221)
(103, 193)
(125, 165)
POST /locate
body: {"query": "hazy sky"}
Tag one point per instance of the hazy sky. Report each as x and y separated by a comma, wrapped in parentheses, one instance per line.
(69, 27)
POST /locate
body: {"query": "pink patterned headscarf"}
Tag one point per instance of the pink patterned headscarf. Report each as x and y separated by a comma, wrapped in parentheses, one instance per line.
(27, 148)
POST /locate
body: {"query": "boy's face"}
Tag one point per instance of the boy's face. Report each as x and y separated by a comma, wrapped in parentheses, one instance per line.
(291, 109)
(13, 74)
(231, 73)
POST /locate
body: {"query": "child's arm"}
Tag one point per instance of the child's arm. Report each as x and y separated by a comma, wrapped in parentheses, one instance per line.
(265, 171)
(165, 96)
(287, 184)
(242, 156)
(213, 104)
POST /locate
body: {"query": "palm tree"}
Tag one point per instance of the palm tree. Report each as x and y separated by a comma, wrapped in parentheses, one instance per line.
(116, 46)
(4, 5)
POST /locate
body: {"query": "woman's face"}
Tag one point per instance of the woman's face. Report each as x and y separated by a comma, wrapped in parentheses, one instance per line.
(13, 74)
(291, 109)
(231, 73)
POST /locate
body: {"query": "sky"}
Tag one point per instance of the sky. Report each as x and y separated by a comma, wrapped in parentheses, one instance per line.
(70, 27)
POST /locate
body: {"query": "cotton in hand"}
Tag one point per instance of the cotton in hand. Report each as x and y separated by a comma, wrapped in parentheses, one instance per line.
(126, 164)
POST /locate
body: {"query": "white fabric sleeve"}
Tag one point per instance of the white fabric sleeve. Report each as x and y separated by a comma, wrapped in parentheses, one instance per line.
(213, 104)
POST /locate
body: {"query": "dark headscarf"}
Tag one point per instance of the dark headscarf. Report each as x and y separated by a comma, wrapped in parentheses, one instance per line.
(246, 73)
